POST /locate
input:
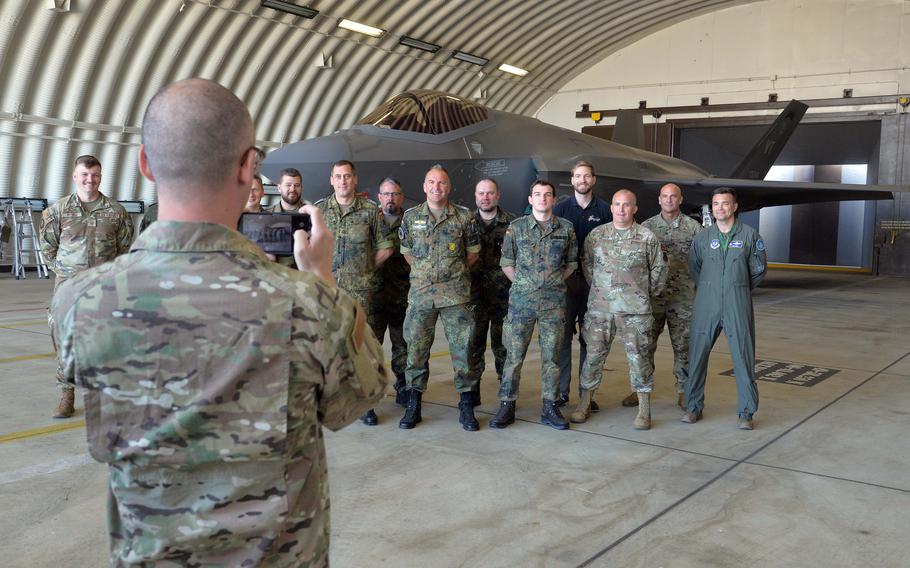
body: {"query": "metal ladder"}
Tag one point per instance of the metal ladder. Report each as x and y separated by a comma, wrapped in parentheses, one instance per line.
(23, 231)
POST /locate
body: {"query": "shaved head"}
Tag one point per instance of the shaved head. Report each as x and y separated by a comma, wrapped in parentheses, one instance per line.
(196, 132)
(626, 193)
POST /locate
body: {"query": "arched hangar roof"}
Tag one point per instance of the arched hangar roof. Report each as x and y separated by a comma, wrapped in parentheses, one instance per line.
(75, 75)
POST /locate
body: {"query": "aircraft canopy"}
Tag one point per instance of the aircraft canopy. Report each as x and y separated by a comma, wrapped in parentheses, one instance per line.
(425, 111)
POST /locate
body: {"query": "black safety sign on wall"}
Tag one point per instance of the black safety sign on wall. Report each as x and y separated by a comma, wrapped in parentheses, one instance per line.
(789, 373)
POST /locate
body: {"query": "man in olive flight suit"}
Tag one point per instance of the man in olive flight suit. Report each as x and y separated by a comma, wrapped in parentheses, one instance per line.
(727, 261)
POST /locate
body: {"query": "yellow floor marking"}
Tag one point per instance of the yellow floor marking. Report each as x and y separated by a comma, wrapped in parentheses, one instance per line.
(43, 431)
(22, 323)
(27, 357)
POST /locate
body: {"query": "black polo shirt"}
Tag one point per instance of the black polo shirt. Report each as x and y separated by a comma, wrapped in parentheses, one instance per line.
(584, 220)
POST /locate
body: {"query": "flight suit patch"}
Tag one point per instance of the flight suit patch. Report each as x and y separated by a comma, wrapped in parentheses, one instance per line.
(715, 244)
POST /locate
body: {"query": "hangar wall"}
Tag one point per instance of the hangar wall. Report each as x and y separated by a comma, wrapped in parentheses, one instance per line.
(798, 49)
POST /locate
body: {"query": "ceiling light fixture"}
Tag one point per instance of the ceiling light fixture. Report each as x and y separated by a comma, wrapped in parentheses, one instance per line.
(513, 70)
(290, 8)
(475, 59)
(419, 44)
(360, 28)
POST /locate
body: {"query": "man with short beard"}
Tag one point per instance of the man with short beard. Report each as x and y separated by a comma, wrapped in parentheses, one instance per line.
(489, 286)
(290, 186)
(392, 296)
(585, 211)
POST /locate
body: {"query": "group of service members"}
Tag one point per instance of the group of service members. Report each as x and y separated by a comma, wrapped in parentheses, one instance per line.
(582, 265)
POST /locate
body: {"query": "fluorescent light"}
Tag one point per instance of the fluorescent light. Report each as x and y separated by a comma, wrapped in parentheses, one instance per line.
(290, 8)
(360, 28)
(513, 70)
(476, 60)
(419, 44)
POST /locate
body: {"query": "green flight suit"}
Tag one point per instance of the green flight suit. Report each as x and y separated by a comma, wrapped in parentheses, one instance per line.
(723, 300)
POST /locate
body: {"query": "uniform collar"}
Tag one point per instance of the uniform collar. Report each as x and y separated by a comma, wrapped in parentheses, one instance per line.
(355, 205)
(75, 201)
(499, 219)
(175, 236)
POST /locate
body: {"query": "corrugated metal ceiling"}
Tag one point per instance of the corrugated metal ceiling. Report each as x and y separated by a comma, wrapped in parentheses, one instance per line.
(76, 79)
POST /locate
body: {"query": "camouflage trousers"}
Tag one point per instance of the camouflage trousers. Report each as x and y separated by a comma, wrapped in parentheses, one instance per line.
(390, 315)
(489, 319)
(61, 381)
(419, 332)
(677, 315)
(365, 297)
(518, 328)
(634, 330)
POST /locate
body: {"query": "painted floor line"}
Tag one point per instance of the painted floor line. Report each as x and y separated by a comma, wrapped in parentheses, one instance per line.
(15, 324)
(42, 431)
(32, 471)
(27, 357)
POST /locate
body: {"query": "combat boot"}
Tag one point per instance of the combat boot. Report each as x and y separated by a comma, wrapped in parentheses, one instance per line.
(401, 391)
(466, 412)
(475, 395)
(65, 407)
(551, 416)
(505, 416)
(412, 411)
(631, 400)
(370, 418)
(583, 412)
(643, 420)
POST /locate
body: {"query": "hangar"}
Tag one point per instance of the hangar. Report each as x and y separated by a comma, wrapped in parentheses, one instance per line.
(821, 481)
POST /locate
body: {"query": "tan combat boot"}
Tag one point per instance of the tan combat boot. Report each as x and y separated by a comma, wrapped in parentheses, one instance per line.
(65, 407)
(583, 412)
(643, 420)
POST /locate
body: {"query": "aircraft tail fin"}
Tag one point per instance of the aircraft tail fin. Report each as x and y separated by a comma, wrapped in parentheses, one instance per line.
(762, 156)
(629, 129)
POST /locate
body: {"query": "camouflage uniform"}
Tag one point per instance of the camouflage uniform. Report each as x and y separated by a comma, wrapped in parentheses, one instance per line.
(150, 216)
(208, 372)
(625, 268)
(440, 286)
(674, 305)
(489, 292)
(538, 295)
(359, 232)
(73, 240)
(392, 302)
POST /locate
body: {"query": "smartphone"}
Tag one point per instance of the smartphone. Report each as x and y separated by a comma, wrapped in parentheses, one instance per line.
(274, 232)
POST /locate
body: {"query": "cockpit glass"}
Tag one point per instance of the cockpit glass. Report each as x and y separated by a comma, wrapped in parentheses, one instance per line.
(429, 112)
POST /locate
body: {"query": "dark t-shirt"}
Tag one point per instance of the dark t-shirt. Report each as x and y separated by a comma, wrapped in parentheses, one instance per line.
(584, 220)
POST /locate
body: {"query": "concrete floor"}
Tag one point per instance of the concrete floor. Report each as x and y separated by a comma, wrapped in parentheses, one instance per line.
(824, 480)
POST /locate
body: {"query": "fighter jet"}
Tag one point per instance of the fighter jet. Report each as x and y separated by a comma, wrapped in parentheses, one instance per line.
(414, 130)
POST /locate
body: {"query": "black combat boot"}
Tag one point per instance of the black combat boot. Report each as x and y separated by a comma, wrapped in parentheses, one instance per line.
(412, 413)
(505, 416)
(401, 391)
(551, 416)
(475, 394)
(466, 412)
(370, 418)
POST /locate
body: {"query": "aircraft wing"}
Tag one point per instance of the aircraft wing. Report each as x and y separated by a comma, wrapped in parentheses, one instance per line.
(754, 194)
